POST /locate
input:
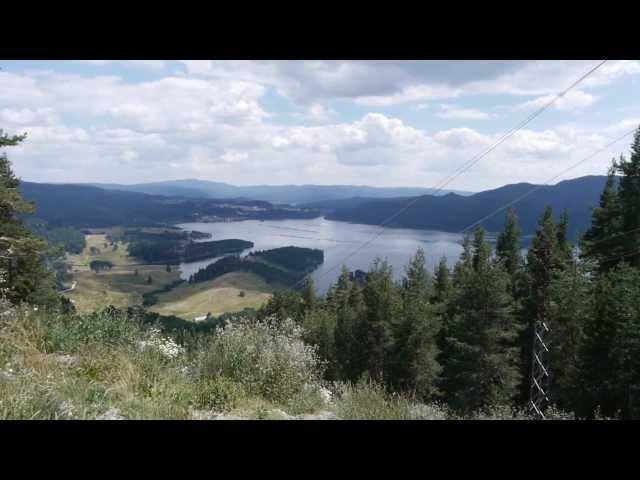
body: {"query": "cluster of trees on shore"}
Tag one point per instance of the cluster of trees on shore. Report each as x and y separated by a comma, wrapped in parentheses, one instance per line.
(464, 336)
(70, 239)
(284, 266)
(175, 247)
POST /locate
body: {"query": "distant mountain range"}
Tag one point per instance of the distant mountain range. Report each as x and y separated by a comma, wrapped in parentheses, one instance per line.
(289, 194)
(452, 213)
(87, 206)
(91, 206)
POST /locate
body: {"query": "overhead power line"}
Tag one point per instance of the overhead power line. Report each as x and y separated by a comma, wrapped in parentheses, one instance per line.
(465, 167)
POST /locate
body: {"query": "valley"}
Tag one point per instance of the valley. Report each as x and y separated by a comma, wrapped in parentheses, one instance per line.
(128, 282)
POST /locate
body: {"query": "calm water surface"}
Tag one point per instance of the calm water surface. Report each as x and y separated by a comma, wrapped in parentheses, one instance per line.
(337, 239)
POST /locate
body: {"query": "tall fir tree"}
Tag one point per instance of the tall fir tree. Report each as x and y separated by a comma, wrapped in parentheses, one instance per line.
(347, 303)
(508, 246)
(548, 257)
(629, 196)
(309, 293)
(602, 242)
(382, 306)
(25, 277)
(570, 307)
(482, 368)
(415, 365)
(442, 282)
(610, 355)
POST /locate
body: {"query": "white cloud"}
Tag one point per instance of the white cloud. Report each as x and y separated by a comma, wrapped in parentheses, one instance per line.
(152, 64)
(457, 112)
(385, 83)
(574, 100)
(212, 123)
(233, 156)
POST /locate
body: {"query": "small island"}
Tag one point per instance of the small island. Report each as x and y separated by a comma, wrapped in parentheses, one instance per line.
(158, 246)
(283, 266)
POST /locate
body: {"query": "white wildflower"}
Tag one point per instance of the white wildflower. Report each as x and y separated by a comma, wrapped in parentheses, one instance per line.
(166, 346)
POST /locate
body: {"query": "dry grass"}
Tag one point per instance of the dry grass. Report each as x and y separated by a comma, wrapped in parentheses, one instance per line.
(119, 257)
(119, 287)
(215, 296)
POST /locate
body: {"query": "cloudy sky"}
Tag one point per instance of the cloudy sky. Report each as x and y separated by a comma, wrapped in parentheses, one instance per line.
(382, 123)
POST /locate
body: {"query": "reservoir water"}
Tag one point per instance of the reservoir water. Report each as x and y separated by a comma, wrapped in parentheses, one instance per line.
(337, 240)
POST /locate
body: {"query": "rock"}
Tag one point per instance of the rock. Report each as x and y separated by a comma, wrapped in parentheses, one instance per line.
(211, 415)
(277, 414)
(323, 415)
(111, 414)
(66, 360)
(326, 395)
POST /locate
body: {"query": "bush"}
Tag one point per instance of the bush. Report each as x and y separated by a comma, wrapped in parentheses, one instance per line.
(268, 359)
(367, 400)
(218, 394)
(107, 326)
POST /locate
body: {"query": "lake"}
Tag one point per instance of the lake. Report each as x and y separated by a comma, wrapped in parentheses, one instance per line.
(337, 239)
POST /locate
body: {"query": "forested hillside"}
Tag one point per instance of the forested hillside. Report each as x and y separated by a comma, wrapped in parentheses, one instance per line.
(292, 194)
(452, 213)
(84, 206)
(283, 266)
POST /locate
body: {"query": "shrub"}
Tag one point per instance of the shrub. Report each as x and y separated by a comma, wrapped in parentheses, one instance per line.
(367, 400)
(267, 358)
(218, 394)
(108, 326)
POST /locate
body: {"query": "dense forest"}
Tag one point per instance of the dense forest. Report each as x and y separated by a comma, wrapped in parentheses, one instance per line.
(173, 247)
(463, 336)
(71, 240)
(291, 194)
(85, 206)
(453, 213)
(284, 266)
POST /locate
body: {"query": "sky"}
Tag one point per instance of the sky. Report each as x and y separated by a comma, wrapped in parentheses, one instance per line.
(379, 123)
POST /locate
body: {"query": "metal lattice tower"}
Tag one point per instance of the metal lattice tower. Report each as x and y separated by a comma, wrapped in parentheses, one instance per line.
(539, 393)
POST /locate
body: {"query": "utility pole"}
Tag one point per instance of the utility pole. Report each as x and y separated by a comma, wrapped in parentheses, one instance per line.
(539, 390)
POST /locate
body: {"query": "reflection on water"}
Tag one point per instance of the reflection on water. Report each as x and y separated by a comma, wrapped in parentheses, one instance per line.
(337, 239)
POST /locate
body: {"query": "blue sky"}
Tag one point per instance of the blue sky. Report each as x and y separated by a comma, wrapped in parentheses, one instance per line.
(327, 122)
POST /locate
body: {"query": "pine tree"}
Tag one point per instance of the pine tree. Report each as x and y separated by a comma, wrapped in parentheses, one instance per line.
(415, 366)
(382, 305)
(24, 275)
(481, 370)
(629, 195)
(508, 246)
(309, 293)
(319, 325)
(610, 356)
(347, 303)
(547, 259)
(442, 284)
(602, 242)
(570, 307)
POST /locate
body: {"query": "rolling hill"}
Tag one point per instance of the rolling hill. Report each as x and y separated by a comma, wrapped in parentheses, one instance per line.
(452, 213)
(87, 206)
(291, 194)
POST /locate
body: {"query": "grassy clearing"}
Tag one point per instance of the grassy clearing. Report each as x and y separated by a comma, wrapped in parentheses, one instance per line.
(98, 241)
(119, 287)
(217, 296)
